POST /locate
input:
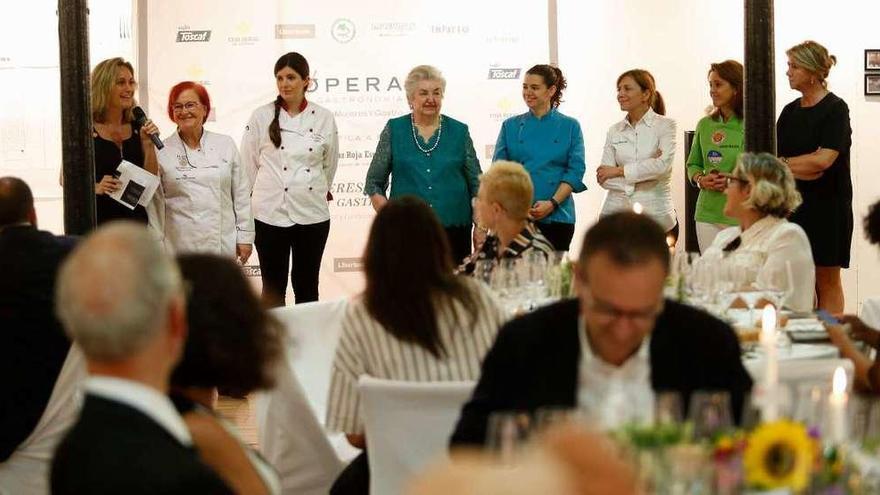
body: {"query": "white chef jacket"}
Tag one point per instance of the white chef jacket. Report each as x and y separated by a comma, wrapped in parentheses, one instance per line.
(207, 195)
(780, 242)
(646, 179)
(290, 183)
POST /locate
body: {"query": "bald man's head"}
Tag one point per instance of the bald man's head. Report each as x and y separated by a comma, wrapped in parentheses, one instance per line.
(16, 202)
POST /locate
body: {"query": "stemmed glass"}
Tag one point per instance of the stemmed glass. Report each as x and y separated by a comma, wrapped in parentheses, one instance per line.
(710, 413)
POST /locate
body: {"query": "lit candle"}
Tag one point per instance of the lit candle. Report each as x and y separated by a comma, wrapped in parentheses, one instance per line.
(770, 411)
(837, 407)
(638, 208)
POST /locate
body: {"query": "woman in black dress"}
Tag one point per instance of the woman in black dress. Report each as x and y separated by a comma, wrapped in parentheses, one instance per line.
(113, 87)
(814, 139)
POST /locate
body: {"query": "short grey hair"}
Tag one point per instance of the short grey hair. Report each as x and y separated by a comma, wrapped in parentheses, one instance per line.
(423, 73)
(114, 291)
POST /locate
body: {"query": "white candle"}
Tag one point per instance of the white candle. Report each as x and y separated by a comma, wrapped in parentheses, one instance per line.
(837, 407)
(638, 208)
(770, 410)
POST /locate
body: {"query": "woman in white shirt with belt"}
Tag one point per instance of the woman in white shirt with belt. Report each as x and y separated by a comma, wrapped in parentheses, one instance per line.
(289, 149)
(637, 159)
(206, 189)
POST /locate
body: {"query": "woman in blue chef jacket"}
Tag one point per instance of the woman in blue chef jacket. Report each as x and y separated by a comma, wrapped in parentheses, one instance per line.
(551, 147)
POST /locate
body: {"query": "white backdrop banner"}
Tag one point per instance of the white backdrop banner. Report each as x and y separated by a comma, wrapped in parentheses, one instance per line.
(359, 54)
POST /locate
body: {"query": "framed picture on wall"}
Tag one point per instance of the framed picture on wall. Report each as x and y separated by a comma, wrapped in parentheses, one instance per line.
(872, 84)
(872, 59)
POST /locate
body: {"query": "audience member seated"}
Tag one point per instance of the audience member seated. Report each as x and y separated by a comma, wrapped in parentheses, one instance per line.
(415, 321)
(122, 301)
(867, 372)
(610, 349)
(232, 345)
(502, 205)
(760, 194)
(33, 346)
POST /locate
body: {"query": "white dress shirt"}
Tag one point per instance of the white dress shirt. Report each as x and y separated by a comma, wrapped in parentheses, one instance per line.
(290, 183)
(778, 241)
(154, 404)
(615, 395)
(646, 177)
(207, 195)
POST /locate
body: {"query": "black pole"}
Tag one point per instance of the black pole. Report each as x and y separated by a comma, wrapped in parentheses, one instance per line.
(760, 81)
(691, 192)
(77, 147)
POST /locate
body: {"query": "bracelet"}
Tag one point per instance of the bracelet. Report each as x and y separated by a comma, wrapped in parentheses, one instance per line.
(555, 203)
(784, 160)
(697, 178)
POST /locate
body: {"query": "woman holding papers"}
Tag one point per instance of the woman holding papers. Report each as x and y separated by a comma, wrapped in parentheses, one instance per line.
(207, 191)
(116, 139)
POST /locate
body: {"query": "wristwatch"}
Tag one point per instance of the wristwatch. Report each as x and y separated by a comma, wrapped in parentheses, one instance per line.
(555, 203)
(697, 177)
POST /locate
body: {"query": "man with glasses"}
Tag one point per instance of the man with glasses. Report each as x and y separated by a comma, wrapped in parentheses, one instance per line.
(613, 347)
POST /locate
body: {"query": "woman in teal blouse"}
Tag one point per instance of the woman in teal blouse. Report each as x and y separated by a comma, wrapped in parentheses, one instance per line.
(429, 155)
(550, 146)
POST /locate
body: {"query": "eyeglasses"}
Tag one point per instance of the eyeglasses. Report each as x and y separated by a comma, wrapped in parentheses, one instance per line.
(731, 179)
(188, 106)
(608, 312)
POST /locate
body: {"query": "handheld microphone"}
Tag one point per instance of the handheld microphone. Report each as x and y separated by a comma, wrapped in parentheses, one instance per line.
(140, 118)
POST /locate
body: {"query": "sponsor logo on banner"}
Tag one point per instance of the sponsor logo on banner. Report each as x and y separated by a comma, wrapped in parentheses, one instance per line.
(193, 35)
(504, 109)
(348, 265)
(196, 73)
(251, 270)
(441, 29)
(502, 39)
(342, 30)
(294, 31)
(355, 84)
(243, 35)
(386, 29)
(503, 73)
(490, 151)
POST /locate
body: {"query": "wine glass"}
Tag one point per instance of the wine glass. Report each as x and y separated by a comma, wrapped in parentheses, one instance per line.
(668, 408)
(709, 412)
(506, 433)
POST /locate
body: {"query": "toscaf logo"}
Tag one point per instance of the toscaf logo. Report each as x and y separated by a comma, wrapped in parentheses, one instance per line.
(343, 30)
(193, 35)
(503, 73)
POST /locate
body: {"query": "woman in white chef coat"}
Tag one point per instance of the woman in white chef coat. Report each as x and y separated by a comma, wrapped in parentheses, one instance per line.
(289, 149)
(206, 188)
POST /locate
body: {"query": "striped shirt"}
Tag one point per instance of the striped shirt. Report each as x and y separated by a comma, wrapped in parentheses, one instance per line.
(529, 238)
(366, 348)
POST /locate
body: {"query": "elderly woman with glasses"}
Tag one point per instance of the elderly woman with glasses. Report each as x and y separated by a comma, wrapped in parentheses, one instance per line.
(428, 155)
(761, 194)
(503, 204)
(206, 188)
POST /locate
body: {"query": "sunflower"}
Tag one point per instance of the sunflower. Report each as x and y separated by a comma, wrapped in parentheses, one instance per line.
(779, 455)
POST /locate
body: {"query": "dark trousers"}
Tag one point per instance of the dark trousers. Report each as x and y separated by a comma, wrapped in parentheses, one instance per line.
(460, 242)
(354, 478)
(559, 234)
(275, 245)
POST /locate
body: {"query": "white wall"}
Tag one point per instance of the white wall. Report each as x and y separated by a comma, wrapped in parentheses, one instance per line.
(677, 40)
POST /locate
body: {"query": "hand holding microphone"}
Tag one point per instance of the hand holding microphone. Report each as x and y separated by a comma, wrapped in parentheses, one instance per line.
(142, 123)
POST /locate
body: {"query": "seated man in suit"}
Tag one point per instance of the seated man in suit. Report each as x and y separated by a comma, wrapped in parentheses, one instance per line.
(33, 346)
(122, 301)
(612, 348)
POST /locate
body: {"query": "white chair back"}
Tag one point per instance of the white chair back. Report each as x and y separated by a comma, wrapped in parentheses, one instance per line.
(292, 439)
(313, 330)
(408, 425)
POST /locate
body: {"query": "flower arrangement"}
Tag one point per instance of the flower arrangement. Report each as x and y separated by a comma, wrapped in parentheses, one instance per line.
(779, 454)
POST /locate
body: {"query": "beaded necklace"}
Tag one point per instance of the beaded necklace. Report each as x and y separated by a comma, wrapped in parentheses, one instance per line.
(428, 151)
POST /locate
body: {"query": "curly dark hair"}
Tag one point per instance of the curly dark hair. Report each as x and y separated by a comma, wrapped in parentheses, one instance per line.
(872, 223)
(233, 343)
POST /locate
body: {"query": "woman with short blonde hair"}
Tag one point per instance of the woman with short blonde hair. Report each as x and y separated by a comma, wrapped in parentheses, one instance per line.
(503, 204)
(761, 194)
(814, 139)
